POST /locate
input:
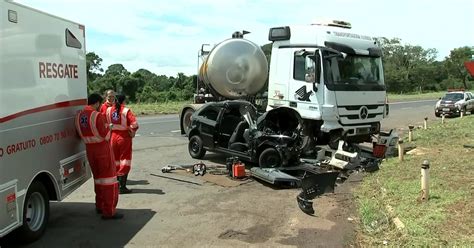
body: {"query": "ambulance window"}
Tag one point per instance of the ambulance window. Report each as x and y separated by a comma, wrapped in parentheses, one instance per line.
(72, 41)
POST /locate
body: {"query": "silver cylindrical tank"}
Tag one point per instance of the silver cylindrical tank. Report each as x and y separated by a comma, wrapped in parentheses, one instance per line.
(235, 68)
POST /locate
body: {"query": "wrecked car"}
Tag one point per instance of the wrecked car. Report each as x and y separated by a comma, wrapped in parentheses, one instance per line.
(234, 128)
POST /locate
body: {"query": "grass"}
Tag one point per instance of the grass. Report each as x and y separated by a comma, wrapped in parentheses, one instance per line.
(415, 96)
(157, 108)
(447, 218)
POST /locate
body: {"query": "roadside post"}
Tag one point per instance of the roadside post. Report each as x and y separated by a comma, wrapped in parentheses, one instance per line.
(425, 180)
(410, 133)
(442, 118)
(426, 123)
(462, 114)
(401, 150)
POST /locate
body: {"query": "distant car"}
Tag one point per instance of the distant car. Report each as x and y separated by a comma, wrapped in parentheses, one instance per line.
(455, 102)
(234, 128)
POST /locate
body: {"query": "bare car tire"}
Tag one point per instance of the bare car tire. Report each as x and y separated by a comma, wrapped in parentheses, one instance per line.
(269, 158)
(196, 148)
(35, 213)
(186, 120)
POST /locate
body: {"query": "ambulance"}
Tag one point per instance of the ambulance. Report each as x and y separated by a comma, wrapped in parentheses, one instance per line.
(42, 85)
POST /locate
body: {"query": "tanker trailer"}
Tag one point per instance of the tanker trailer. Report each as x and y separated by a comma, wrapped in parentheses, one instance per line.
(234, 69)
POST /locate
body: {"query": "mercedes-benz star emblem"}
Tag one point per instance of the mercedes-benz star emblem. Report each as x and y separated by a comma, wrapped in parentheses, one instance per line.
(364, 112)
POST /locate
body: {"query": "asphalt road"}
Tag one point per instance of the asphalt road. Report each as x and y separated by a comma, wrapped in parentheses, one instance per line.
(181, 210)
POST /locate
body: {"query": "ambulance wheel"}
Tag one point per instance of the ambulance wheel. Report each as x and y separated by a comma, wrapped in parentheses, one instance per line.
(269, 158)
(195, 147)
(35, 213)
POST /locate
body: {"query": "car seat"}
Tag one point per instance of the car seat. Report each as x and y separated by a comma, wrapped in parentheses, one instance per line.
(237, 141)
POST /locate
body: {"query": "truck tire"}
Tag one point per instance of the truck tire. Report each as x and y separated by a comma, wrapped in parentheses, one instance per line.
(196, 148)
(186, 120)
(269, 158)
(35, 213)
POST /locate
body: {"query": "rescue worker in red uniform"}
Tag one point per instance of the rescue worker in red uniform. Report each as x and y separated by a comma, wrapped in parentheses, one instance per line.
(109, 101)
(93, 129)
(124, 126)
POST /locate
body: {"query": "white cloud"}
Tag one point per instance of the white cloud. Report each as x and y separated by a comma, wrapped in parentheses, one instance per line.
(164, 36)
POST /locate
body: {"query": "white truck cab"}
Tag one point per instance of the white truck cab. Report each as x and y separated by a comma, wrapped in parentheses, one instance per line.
(331, 76)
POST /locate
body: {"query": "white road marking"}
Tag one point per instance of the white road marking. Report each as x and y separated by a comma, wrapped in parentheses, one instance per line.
(176, 131)
(156, 122)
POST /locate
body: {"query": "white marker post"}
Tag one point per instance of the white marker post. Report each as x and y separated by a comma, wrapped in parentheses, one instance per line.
(426, 123)
(442, 118)
(401, 150)
(410, 133)
(425, 180)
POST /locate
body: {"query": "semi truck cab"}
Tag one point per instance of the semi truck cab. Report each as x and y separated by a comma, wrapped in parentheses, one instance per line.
(332, 77)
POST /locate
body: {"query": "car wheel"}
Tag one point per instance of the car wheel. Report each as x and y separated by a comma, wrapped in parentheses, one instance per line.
(187, 120)
(269, 158)
(195, 147)
(35, 213)
(437, 114)
(464, 111)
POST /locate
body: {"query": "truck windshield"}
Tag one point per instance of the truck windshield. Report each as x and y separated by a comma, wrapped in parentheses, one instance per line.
(353, 73)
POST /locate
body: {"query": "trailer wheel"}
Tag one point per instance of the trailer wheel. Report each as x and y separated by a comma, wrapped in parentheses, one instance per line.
(186, 120)
(269, 158)
(195, 147)
(35, 213)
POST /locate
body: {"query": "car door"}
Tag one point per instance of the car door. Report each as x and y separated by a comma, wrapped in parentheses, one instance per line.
(470, 102)
(207, 125)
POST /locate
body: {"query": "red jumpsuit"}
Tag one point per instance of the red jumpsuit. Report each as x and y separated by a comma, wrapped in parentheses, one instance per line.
(104, 106)
(123, 130)
(94, 131)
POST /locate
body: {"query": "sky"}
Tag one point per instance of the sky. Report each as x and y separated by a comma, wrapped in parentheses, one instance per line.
(164, 36)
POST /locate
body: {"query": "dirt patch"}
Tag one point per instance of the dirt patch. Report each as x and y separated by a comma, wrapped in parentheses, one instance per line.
(252, 235)
(418, 151)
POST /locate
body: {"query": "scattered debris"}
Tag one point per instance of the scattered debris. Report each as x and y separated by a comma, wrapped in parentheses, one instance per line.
(176, 179)
(350, 219)
(418, 151)
(314, 185)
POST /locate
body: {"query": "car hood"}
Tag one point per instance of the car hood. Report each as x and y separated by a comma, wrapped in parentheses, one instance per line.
(282, 119)
(450, 102)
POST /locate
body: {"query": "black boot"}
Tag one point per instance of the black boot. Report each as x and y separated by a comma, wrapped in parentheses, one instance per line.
(123, 185)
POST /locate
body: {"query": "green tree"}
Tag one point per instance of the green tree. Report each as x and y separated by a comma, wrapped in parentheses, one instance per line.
(93, 66)
(406, 67)
(455, 64)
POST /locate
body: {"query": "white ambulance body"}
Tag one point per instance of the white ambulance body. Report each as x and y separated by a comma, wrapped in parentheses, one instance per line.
(42, 85)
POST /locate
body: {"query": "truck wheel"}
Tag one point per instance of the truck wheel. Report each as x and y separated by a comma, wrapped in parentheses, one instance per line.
(186, 120)
(195, 147)
(269, 158)
(35, 213)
